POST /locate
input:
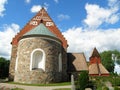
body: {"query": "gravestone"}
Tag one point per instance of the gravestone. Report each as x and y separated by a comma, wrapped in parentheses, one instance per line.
(72, 83)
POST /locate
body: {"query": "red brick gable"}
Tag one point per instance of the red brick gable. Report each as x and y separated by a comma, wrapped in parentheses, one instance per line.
(35, 21)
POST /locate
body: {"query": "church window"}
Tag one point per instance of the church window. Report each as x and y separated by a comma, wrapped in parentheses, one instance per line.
(37, 59)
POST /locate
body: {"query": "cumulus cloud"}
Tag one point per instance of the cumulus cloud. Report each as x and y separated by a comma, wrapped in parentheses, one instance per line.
(97, 15)
(2, 7)
(36, 8)
(6, 35)
(84, 39)
(80, 40)
(63, 17)
(27, 1)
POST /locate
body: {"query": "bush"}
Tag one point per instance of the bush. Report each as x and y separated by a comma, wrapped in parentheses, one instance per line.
(116, 88)
(115, 81)
(83, 81)
(105, 88)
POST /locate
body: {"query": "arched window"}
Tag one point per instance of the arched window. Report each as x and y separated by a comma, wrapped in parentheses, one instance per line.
(60, 62)
(37, 59)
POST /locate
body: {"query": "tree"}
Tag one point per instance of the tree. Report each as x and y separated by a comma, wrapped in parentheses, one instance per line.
(4, 67)
(107, 61)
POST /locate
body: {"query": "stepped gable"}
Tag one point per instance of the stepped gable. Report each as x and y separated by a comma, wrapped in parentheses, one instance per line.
(96, 68)
(35, 21)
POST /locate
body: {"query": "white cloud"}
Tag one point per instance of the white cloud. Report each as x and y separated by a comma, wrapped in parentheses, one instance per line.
(2, 7)
(97, 15)
(56, 1)
(27, 1)
(36, 8)
(80, 40)
(63, 17)
(6, 35)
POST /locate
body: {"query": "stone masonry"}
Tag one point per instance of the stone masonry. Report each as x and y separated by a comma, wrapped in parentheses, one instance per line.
(12, 62)
(51, 73)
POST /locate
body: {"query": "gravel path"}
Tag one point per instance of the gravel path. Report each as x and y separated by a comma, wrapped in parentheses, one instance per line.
(32, 87)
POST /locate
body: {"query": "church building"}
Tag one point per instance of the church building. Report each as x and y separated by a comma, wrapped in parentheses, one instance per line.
(39, 53)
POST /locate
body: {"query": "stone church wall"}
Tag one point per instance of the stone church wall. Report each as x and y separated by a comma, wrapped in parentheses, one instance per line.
(51, 73)
(12, 62)
(64, 64)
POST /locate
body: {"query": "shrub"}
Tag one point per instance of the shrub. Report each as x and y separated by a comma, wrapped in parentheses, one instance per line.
(83, 81)
(116, 88)
(115, 81)
(105, 88)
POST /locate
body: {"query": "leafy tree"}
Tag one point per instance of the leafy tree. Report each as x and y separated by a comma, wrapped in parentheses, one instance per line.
(4, 67)
(107, 61)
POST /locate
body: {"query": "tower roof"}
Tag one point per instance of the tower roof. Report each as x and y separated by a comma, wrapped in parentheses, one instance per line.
(95, 67)
(98, 70)
(35, 21)
(40, 30)
(95, 53)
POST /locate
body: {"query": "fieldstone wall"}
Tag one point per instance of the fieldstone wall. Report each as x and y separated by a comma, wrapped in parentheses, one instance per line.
(51, 73)
(64, 65)
(12, 62)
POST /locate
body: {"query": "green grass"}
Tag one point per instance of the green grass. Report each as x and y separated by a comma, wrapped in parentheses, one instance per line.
(51, 84)
(63, 89)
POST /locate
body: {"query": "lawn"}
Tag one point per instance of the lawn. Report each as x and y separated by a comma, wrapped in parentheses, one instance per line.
(51, 84)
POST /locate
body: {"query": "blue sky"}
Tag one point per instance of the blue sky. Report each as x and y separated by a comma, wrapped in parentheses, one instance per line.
(84, 23)
(72, 13)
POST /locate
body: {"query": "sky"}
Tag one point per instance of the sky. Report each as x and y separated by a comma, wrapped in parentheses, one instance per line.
(84, 23)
